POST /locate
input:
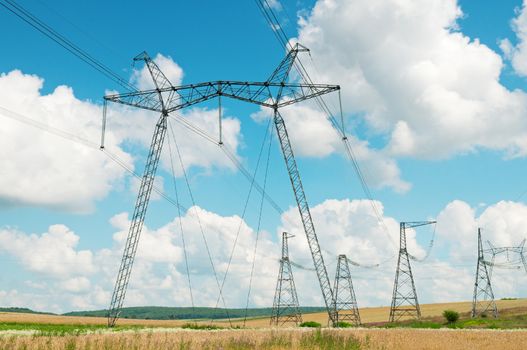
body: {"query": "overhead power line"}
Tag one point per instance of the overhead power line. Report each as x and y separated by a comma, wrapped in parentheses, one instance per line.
(39, 25)
(272, 19)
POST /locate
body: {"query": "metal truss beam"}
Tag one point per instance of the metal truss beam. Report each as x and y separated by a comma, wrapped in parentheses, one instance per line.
(267, 94)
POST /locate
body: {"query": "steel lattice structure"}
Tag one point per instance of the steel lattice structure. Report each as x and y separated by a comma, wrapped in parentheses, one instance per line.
(404, 299)
(345, 302)
(483, 300)
(274, 93)
(285, 305)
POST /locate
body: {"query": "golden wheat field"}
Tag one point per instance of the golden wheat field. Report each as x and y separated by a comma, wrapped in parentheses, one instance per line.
(257, 335)
(407, 339)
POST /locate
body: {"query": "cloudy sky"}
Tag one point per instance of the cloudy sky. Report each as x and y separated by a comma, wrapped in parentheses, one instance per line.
(434, 103)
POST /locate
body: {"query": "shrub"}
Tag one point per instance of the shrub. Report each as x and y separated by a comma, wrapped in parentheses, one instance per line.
(451, 316)
(343, 325)
(206, 327)
(310, 324)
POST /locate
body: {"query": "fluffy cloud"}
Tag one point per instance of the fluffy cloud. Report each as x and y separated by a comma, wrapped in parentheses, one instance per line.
(351, 228)
(165, 245)
(312, 135)
(84, 279)
(52, 253)
(503, 224)
(429, 89)
(518, 53)
(41, 169)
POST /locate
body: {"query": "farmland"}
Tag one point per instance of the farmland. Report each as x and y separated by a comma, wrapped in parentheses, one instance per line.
(275, 339)
(43, 331)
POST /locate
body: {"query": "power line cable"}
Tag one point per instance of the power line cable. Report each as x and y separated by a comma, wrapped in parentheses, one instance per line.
(48, 31)
(180, 219)
(282, 38)
(258, 227)
(251, 178)
(246, 204)
(199, 220)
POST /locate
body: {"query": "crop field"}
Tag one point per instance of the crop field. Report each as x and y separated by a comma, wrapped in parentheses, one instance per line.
(361, 338)
(37, 331)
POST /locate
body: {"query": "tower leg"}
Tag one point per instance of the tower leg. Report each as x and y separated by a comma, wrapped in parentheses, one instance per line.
(305, 216)
(136, 225)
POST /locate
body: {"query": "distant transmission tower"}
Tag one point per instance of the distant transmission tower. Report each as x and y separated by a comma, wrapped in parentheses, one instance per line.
(285, 305)
(404, 299)
(483, 300)
(515, 251)
(345, 301)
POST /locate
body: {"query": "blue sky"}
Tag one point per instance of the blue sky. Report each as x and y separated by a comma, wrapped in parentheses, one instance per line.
(435, 103)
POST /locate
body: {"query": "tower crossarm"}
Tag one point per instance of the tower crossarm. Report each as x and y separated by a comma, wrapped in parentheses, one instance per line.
(267, 94)
(412, 224)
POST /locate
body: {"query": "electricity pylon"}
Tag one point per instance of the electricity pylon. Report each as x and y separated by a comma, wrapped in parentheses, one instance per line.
(276, 92)
(404, 299)
(345, 301)
(483, 300)
(285, 304)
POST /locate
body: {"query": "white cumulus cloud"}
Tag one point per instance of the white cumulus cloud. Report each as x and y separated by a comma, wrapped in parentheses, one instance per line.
(407, 71)
(42, 169)
(52, 253)
(39, 168)
(312, 135)
(517, 53)
(84, 279)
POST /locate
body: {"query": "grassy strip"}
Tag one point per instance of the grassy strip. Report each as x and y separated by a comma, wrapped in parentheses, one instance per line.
(504, 322)
(60, 329)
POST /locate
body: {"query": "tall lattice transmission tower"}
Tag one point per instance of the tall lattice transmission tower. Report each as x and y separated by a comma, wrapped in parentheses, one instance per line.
(483, 300)
(404, 299)
(285, 304)
(345, 301)
(274, 93)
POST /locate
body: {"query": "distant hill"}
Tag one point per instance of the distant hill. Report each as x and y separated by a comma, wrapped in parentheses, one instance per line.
(184, 313)
(23, 310)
